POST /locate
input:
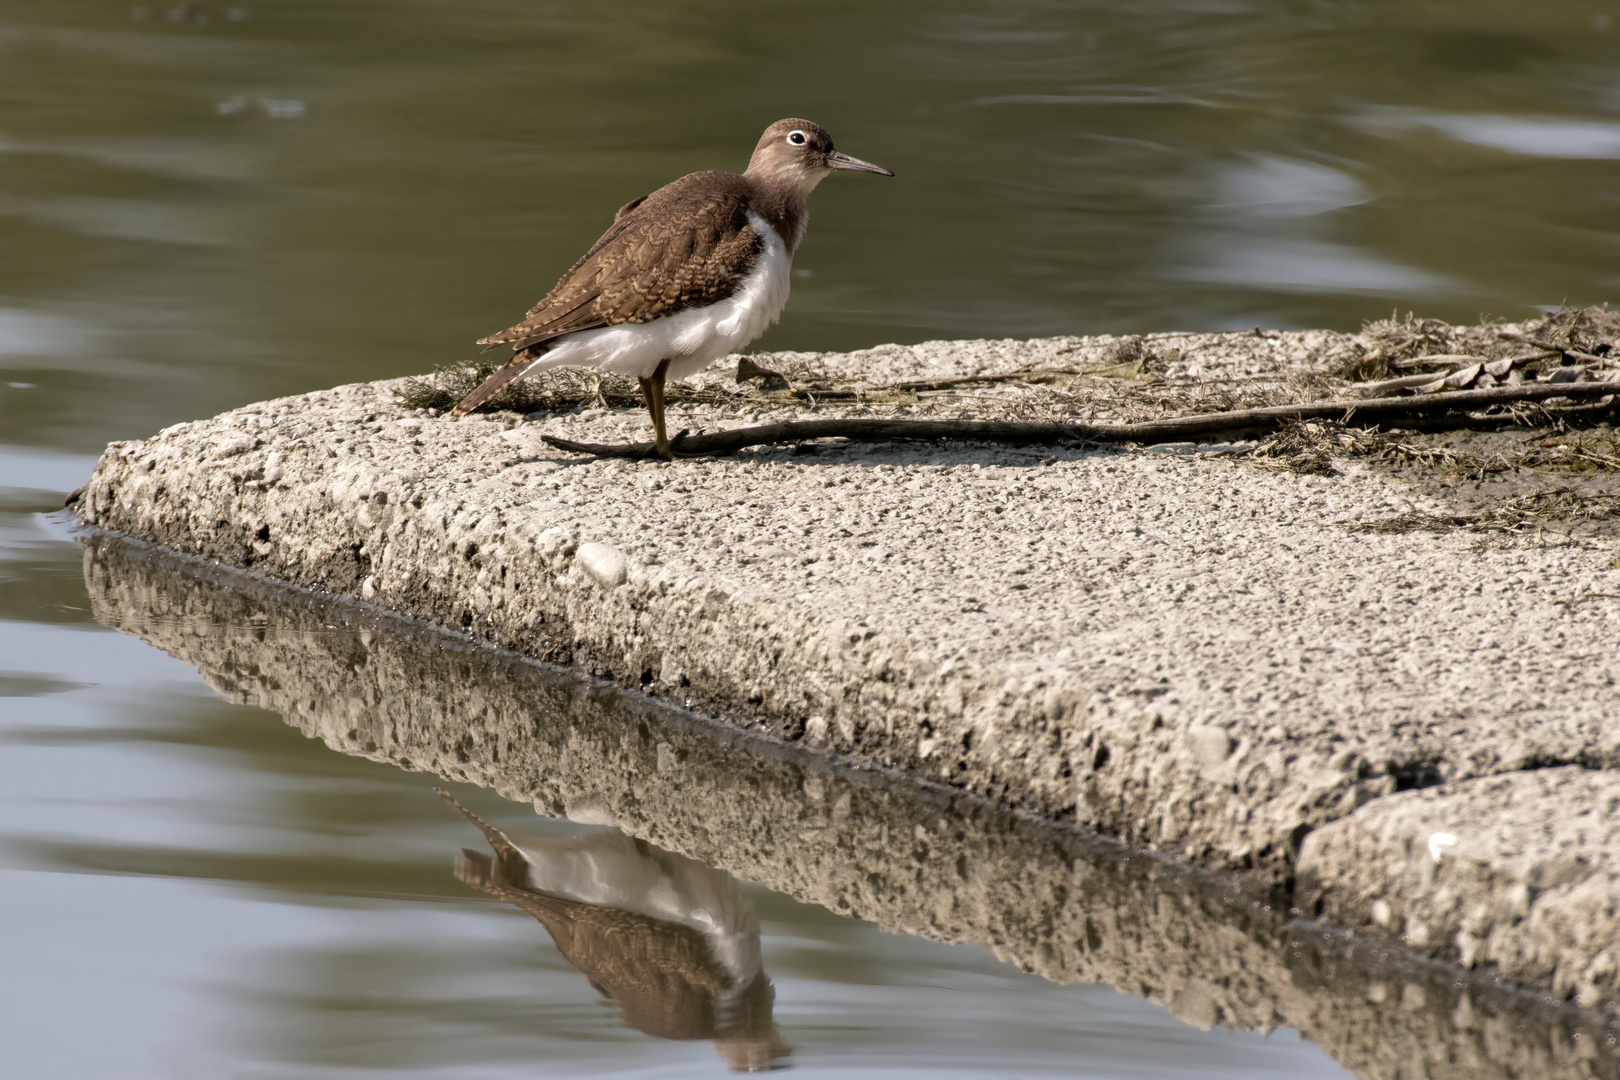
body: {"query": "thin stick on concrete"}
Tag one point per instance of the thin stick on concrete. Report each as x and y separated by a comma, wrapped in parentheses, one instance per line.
(1015, 433)
(813, 392)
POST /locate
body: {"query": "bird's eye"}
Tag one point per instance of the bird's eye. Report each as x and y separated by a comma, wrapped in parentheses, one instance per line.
(797, 138)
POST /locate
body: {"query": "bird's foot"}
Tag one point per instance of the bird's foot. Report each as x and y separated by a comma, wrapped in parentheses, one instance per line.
(666, 448)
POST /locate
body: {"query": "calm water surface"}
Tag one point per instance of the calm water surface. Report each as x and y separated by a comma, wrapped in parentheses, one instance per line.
(207, 204)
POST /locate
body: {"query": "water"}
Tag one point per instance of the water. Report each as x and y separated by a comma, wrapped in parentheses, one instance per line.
(207, 204)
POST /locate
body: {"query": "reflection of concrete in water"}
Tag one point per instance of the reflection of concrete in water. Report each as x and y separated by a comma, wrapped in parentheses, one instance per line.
(672, 942)
(911, 860)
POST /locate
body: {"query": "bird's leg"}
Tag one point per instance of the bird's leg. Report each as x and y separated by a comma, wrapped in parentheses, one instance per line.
(652, 389)
(658, 421)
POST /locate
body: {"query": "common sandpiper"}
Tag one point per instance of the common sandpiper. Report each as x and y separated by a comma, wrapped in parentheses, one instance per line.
(683, 277)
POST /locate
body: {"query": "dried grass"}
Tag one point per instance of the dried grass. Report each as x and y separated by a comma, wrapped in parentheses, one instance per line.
(1308, 447)
(1405, 338)
(1572, 452)
(1535, 510)
(1593, 330)
(1392, 345)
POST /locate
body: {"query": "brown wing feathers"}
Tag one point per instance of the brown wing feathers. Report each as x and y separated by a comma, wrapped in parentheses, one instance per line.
(685, 245)
(493, 385)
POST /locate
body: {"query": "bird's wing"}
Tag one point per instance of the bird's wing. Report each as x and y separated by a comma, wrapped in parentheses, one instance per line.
(629, 206)
(685, 245)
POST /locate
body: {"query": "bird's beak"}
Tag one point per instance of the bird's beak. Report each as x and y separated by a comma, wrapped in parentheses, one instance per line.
(835, 160)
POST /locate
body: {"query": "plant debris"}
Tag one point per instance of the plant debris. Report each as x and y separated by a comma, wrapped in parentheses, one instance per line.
(1307, 448)
(1532, 511)
(1399, 345)
(1129, 379)
(1491, 371)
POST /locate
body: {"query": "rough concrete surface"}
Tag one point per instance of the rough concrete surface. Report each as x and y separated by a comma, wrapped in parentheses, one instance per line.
(1166, 645)
(1519, 872)
(913, 859)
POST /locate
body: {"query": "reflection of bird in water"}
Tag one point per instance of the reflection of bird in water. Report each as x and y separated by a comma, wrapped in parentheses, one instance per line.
(671, 941)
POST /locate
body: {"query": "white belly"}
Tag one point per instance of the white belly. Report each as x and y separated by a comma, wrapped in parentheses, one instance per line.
(692, 339)
(607, 867)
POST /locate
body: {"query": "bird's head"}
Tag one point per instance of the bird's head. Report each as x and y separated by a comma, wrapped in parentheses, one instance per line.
(798, 154)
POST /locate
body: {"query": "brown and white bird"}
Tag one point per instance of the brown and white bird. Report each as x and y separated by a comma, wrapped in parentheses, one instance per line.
(684, 276)
(674, 943)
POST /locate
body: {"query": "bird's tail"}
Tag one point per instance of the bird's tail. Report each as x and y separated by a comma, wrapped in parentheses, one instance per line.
(487, 389)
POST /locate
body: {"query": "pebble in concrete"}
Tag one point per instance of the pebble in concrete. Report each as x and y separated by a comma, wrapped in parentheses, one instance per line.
(603, 563)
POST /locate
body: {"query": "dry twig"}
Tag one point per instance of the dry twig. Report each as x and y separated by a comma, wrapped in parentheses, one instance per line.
(869, 429)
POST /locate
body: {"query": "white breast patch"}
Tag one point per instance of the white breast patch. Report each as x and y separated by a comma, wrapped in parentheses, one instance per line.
(692, 339)
(607, 867)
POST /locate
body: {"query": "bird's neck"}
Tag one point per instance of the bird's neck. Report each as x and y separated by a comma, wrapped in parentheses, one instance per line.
(784, 202)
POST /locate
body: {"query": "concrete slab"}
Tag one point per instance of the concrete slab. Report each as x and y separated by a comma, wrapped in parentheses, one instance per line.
(1173, 648)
